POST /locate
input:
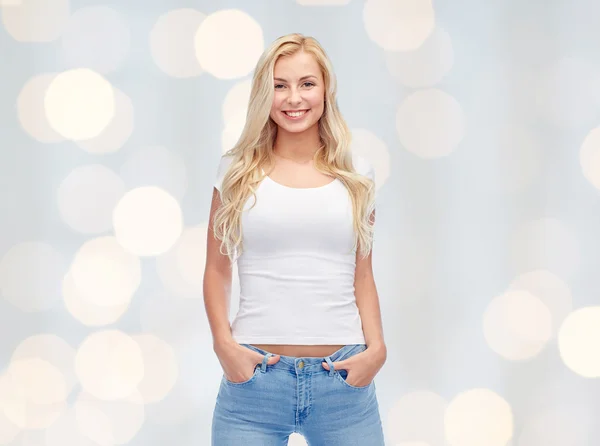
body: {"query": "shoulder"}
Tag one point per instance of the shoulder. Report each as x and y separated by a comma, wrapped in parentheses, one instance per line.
(225, 162)
(363, 166)
(222, 168)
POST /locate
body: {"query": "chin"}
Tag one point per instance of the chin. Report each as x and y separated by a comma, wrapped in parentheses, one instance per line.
(296, 129)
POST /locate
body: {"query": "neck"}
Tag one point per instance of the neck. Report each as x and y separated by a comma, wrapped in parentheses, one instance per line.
(300, 147)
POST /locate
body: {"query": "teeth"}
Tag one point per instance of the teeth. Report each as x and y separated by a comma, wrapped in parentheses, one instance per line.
(295, 114)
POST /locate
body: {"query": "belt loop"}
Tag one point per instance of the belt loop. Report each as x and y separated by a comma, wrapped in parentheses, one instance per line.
(263, 366)
(330, 364)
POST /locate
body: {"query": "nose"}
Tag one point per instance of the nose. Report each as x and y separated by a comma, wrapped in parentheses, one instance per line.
(294, 97)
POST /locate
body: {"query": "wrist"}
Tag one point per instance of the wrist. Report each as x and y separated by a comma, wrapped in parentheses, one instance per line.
(377, 347)
(220, 344)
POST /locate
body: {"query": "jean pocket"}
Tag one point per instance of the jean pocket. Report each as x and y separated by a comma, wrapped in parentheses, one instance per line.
(248, 381)
(342, 375)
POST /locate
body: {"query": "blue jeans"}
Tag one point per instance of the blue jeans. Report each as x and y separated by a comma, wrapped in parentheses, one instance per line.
(297, 395)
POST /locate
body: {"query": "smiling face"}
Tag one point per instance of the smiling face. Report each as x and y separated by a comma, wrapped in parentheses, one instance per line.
(298, 101)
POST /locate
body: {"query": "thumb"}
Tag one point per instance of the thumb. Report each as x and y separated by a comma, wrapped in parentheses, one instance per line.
(337, 365)
(273, 359)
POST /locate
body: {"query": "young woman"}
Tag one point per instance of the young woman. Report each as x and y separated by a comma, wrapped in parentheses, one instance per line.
(295, 208)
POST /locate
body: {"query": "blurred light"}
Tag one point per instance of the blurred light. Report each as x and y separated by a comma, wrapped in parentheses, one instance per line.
(79, 103)
(117, 132)
(172, 42)
(35, 20)
(367, 145)
(104, 274)
(109, 365)
(579, 342)
(31, 109)
(160, 368)
(32, 393)
(85, 311)
(229, 43)
(399, 25)
(417, 418)
(147, 221)
(549, 289)
(110, 422)
(589, 157)
(430, 123)
(478, 417)
(517, 325)
(426, 65)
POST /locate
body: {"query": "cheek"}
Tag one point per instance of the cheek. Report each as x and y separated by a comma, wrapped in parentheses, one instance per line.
(275, 107)
(277, 103)
(316, 100)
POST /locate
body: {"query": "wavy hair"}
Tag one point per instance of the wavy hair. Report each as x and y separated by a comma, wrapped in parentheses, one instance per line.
(253, 152)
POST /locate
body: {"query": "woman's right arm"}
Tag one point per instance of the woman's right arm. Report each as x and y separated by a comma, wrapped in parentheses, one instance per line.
(217, 284)
(238, 362)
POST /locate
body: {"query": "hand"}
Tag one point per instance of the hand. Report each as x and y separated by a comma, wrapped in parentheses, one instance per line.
(361, 367)
(238, 362)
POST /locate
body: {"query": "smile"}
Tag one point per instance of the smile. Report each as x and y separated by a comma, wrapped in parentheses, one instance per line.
(296, 114)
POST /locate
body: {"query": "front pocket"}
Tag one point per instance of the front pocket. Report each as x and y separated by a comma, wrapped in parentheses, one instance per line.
(252, 378)
(343, 374)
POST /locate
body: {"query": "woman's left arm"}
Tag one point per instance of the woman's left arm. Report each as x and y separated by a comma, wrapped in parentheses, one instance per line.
(367, 302)
(363, 366)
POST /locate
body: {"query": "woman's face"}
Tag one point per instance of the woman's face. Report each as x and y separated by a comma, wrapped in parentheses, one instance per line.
(298, 101)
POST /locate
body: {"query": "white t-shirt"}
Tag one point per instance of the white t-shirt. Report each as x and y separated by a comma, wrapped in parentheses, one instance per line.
(296, 271)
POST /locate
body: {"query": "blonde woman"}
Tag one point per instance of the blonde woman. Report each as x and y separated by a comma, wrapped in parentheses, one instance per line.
(295, 209)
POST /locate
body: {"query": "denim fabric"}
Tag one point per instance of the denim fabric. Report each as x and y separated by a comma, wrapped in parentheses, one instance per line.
(297, 395)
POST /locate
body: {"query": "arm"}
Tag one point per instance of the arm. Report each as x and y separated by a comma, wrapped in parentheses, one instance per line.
(217, 284)
(367, 302)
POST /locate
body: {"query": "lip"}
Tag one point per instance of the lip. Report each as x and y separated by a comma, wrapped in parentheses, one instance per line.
(293, 118)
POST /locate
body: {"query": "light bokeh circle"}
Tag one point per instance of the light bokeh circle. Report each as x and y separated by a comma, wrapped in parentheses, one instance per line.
(478, 417)
(579, 341)
(418, 416)
(105, 274)
(517, 325)
(86, 311)
(228, 43)
(31, 110)
(114, 422)
(118, 131)
(430, 123)
(147, 221)
(399, 25)
(22, 19)
(161, 368)
(109, 365)
(172, 42)
(79, 103)
(589, 157)
(424, 66)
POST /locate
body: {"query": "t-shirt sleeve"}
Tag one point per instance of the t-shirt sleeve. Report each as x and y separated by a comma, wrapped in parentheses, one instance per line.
(364, 167)
(224, 163)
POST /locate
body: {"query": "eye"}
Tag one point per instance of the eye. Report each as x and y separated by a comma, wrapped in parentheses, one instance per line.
(309, 83)
(278, 85)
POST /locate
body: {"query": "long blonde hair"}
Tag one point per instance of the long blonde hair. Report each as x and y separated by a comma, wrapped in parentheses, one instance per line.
(253, 151)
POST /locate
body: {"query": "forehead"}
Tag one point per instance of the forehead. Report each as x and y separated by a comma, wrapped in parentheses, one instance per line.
(297, 65)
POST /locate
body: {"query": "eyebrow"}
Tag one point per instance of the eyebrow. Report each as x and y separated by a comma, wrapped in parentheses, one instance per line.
(301, 79)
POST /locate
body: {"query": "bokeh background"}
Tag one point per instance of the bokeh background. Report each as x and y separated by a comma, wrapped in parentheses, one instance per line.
(482, 120)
